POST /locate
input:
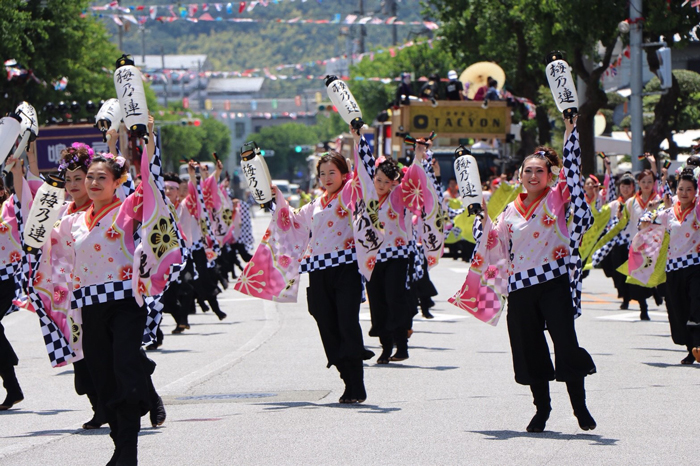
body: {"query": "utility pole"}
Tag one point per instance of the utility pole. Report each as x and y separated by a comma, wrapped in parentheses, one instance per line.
(393, 12)
(165, 77)
(363, 32)
(637, 128)
(199, 85)
(143, 43)
(121, 30)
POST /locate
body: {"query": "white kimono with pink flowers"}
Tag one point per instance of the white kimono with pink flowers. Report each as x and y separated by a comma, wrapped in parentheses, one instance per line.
(323, 234)
(527, 245)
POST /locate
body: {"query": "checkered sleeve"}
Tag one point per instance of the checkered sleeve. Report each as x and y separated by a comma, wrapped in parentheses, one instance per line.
(580, 210)
(667, 190)
(365, 153)
(610, 189)
(128, 187)
(477, 230)
(430, 172)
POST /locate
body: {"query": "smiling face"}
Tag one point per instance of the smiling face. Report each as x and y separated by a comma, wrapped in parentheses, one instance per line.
(686, 193)
(382, 184)
(626, 190)
(535, 176)
(100, 183)
(172, 193)
(330, 177)
(75, 185)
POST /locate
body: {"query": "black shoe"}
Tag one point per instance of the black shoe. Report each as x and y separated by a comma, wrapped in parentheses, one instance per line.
(538, 422)
(367, 354)
(13, 397)
(221, 315)
(585, 420)
(153, 346)
(399, 356)
(94, 423)
(157, 413)
(428, 315)
(644, 315)
(180, 329)
(625, 305)
(690, 359)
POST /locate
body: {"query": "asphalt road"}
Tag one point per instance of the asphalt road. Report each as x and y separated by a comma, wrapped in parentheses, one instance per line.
(253, 390)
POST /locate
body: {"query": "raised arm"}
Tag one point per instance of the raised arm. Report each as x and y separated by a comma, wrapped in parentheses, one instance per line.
(581, 212)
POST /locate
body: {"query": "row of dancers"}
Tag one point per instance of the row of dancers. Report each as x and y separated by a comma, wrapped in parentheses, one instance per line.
(83, 278)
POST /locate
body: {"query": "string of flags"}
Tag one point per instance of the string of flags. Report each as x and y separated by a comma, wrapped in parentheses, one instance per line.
(615, 64)
(195, 12)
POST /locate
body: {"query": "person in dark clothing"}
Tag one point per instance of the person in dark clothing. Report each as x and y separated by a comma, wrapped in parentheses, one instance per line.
(454, 88)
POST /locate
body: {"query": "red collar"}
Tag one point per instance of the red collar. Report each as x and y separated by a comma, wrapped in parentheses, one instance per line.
(92, 217)
(641, 202)
(72, 209)
(682, 214)
(526, 211)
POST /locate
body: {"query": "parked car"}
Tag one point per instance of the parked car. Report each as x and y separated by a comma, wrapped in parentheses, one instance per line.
(289, 194)
(294, 198)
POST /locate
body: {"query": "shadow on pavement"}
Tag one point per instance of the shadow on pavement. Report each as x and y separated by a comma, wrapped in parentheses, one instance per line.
(665, 365)
(361, 407)
(672, 350)
(59, 432)
(433, 333)
(431, 348)
(169, 351)
(547, 435)
(394, 365)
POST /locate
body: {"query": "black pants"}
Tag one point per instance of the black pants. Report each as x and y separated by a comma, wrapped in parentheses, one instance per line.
(683, 305)
(112, 345)
(529, 311)
(8, 357)
(334, 296)
(391, 305)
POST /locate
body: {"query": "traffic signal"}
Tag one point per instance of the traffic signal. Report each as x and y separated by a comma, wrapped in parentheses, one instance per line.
(298, 149)
(664, 71)
(191, 122)
(262, 152)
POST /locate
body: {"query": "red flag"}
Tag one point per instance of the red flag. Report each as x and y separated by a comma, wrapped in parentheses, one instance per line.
(241, 7)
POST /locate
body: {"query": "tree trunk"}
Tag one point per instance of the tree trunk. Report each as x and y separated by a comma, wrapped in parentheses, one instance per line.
(595, 100)
(664, 112)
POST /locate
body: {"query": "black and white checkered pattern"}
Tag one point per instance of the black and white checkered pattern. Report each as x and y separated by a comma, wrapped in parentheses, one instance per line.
(395, 252)
(611, 192)
(8, 271)
(667, 190)
(328, 260)
(415, 268)
(602, 253)
(153, 318)
(102, 293)
(478, 230)
(538, 274)
(452, 213)
(576, 281)
(683, 262)
(428, 167)
(366, 157)
(18, 271)
(245, 236)
(57, 346)
(128, 187)
(580, 212)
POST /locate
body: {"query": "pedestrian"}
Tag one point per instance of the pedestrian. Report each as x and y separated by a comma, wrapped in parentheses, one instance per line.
(531, 247)
(454, 89)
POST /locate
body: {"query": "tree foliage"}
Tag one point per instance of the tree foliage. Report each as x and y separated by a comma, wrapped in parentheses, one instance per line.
(53, 40)
(421, 60)
(517, 34)
(282, 139)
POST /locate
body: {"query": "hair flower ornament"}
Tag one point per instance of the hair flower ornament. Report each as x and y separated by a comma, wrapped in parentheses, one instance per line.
(555, 178)
(119, 160)
(380, 160)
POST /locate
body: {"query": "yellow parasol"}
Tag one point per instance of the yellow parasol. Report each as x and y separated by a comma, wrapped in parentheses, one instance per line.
(476, 75)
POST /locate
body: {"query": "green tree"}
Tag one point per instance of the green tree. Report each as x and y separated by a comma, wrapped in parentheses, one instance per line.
(282, 140)
(518, 33)
(51, 39)
(422, 60)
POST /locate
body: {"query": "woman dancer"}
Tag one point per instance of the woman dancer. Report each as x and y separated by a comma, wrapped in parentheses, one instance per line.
(682, 222)
(531, 245)
(636, 206)
(100, 255)
(10, 257)
(321, 235)
(391, 304)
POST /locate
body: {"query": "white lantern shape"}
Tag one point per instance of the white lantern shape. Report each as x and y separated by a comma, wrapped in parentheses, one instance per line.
(10, 128)
(344, 102)
(44, 213)
(29, 129)
(562, 84)
(108, 117)
(256, 173)
(468, 180)
(132, 97)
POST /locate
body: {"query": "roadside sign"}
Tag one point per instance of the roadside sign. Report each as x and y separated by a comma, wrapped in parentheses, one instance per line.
(53, 139)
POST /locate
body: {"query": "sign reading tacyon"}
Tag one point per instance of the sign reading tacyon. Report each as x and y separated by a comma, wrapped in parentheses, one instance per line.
(53, 139)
